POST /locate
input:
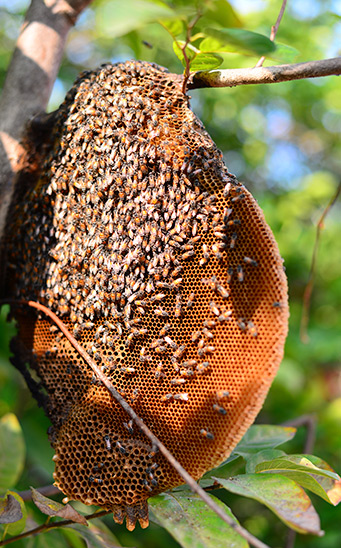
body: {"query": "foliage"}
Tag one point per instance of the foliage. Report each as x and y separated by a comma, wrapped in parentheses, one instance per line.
(283, 141)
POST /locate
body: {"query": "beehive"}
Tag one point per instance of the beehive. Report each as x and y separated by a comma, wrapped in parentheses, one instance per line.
(162, 265)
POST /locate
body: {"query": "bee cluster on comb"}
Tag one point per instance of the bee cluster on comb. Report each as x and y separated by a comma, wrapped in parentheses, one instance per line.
(162, 266)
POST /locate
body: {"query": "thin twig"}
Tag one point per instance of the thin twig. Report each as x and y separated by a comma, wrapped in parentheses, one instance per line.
(142, 426)
(52, 525)
(274, 30)
(310, 284)
(309, 422)
(187, 61)
(264, 75)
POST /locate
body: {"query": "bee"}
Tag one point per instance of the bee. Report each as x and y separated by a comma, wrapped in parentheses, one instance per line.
(143, 356)
(178, 309)
(229, 275)
(222, 394)
(166, 398)
(222, 291)
(180, 351)
(129, 426)
(206, 434)
(242, 324)
(107, 442)
(238, 198)
(128, 370)
(171, 343)
(95, 480)
(146, 485)
(233, 240)
(252, 328)
(240, 273)
(219, 409)
(205, 256)
(210, 323)
(159, 371)
(234, 222)
(207, 333)
(214, 309)
(277, 304)
(164, 329)
(202, 367)
(225, 316)
(191, 299)
(181, 397)
(249, 261)
(121, 449)
(161, 312)
(178, 381)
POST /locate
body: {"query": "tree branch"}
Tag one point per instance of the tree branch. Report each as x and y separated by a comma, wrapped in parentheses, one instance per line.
(196, 488)
(30, 77)
(264, 75)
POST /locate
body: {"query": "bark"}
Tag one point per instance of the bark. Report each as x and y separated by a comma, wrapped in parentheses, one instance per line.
(264, 75)
(31, 75)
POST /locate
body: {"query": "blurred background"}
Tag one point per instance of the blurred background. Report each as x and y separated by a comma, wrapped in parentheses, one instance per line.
(283, 142)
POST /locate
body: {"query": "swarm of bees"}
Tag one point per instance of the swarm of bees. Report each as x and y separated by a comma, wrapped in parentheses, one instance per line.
(162, 266)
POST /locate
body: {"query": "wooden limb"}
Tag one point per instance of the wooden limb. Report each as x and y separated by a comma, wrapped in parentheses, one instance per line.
(264, 75)
(196, 488)
(30, 77)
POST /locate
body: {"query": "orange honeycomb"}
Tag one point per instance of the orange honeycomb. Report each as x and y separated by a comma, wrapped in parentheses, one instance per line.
(162, 265)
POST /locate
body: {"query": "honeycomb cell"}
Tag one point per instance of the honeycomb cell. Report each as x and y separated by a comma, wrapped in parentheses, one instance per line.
(161, 264)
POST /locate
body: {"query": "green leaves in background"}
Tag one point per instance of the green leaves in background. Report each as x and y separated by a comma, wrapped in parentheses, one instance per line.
(12, 451)
(188, 519)
(112, 20)
(263, 436)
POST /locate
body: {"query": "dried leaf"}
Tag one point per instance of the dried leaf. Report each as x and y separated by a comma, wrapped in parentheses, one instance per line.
(10, 510)
(52, 508)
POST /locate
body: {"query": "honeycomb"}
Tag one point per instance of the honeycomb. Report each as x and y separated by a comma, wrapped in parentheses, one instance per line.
(161, 264)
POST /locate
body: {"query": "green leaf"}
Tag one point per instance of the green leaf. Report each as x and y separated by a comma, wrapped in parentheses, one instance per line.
(263, 436)
(254, 459)
(232, 466)
(117, 18)
(20, 514)
(191, 51)
(12, 451)
(237, 40)
(175, 27)
(198, 60)
(52, 508)
(284, 53)
(206, 61)
(281, 495)
(300, 469)
(188, 519)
